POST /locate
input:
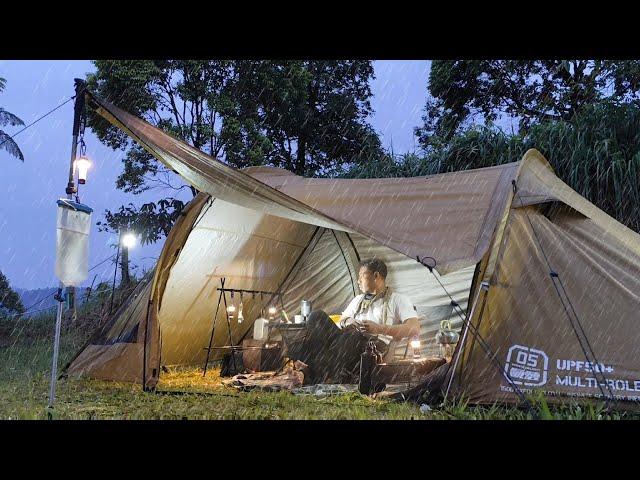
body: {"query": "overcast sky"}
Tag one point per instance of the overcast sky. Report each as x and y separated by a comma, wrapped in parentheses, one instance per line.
(27, 212)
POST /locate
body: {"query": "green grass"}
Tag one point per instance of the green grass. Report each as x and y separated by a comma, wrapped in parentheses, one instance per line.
(25, 357)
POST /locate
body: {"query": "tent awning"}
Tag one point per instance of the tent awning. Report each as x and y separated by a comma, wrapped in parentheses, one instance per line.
(450, 217)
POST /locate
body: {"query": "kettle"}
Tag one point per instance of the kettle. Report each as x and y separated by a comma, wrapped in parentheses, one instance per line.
(447, 338)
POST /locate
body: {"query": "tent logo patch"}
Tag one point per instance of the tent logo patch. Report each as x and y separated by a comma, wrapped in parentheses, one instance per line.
(527, 366)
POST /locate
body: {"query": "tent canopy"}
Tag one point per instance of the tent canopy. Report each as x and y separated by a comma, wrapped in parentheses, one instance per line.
(449, 217)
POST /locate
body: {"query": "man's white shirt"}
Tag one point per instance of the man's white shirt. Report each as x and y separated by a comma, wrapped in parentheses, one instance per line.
(399, 309)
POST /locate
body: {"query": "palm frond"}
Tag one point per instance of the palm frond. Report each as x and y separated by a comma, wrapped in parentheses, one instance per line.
(7, 143)
(8, 118)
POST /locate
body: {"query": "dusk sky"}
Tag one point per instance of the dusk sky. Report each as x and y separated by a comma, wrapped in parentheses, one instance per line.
(28, 209)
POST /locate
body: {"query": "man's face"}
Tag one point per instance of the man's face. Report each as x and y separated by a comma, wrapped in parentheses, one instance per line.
(367, 280)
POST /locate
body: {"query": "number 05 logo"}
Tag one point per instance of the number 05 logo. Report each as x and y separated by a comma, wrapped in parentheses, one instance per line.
(527, 366)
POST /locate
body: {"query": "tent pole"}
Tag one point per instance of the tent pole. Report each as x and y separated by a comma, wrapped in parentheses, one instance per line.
(56, 349)
(78, 114)
(226, 315)
(464, 337)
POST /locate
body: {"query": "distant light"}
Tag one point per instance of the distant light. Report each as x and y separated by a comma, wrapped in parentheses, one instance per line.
(415, 344)
(82, 164)
(129, 240)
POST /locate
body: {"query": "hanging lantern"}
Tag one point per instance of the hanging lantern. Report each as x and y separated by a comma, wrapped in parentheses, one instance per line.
(231, 311)
(240, 314)
(82, 164)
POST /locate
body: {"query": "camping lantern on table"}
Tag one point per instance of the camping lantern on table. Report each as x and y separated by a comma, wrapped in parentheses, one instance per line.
(447, 339)
(415, 346)
(272, 313)
(72, 242)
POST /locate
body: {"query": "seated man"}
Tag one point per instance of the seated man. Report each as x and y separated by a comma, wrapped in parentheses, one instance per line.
(333, 353)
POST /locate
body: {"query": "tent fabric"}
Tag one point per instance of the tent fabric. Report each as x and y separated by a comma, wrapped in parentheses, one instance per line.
(206, 173)
(524, 320)
(250, 250)
(449, 217)
(115, 350)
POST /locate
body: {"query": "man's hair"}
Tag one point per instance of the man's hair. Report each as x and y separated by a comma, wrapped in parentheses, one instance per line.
(375, 265)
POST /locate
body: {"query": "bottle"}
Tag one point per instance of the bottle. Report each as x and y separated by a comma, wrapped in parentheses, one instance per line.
(305, 308)
(368, 360)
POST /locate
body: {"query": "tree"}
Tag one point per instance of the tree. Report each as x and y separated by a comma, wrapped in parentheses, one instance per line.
(530, 91)
(597, 154)
(10, 302)
(312, 114)
(6, 118)
(307, 116)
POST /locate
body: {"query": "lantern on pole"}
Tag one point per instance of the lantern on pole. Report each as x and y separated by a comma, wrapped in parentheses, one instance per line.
(82, 165)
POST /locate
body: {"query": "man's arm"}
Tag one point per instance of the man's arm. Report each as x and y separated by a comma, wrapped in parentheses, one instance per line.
(410, 328)
(347, 316)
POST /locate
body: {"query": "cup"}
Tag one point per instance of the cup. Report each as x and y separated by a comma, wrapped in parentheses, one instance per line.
(298, 319)
(305, 307)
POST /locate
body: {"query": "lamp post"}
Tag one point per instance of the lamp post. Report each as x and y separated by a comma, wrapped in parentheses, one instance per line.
(126, 240)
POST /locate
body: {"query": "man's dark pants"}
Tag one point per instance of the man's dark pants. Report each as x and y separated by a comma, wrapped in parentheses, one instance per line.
(333, 355)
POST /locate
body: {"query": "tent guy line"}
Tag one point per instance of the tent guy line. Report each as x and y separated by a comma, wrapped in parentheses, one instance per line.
(36, 121)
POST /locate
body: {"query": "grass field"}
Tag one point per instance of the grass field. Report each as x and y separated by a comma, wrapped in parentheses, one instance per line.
(25, 357)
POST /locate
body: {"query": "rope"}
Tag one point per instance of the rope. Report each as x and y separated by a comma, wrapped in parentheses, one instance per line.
(492, 356)
(97, 265)
(553, 274)
(36, 121)
(33, 311)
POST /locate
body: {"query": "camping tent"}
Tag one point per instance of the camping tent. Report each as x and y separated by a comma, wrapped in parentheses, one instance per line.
(544, 285)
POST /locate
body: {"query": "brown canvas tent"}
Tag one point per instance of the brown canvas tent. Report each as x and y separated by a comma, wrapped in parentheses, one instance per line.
(548, 282)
